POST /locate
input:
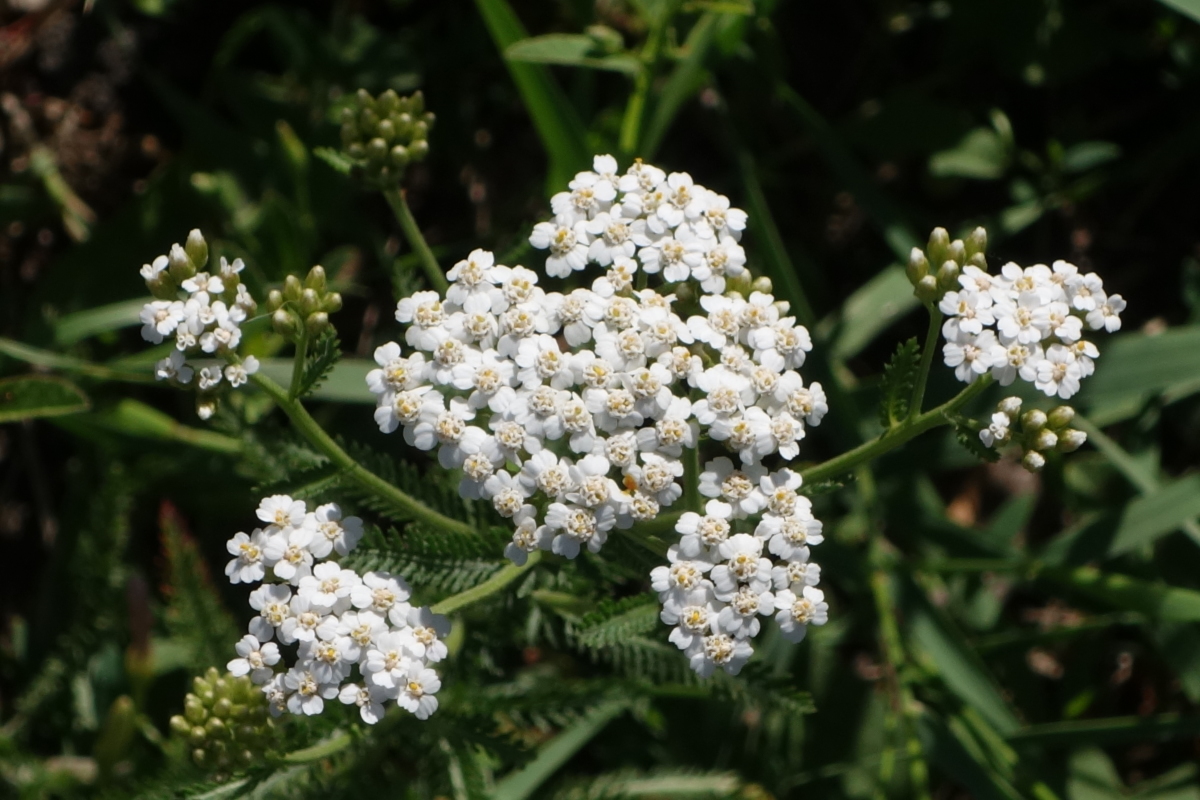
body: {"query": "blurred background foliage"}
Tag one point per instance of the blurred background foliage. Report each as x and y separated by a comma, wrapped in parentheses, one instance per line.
(993, 634)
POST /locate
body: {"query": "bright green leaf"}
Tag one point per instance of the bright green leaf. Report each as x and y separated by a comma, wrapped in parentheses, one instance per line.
(33, 396)
(572, 50)
(982, 155)
(82, 324)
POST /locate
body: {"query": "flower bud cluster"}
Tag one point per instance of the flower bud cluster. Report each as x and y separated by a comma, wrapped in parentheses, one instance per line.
(225, 722)
(338, 621)
(203, 312)
(303, 308)
(570, 411)
(1025, 323)
(382, 135)
(1035, 431)
(720, 581)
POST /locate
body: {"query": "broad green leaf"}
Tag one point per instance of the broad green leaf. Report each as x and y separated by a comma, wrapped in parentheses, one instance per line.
(559, 127)
(1135, 366)
(569, 49)
(525, 781)
(82, 324)
(1189, 8)
(1153, 515)
(33, 396)
(982, 154)
(871, 309)
(1092, 776)
(1158, 601)
(133, 418)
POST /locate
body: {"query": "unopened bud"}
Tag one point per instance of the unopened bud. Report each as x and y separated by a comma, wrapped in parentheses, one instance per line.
(420, 130)
(284, 323)
(1046, 440)
(939, 244)
(399, 156)
(377, 149)
(316, 279)
(222, 707)
(317, 323)
(215, 727)
(196, 248)
(368, 121)
(292, 288)
(918, 266)
(274, 300)
(1033, 461)
(1061, 417)
(356, 151)
(387, 102)
(762, 284)
(416, 103)
(947, 277)
(1070, 440)
(332, 303)
(979, 261)
(926, 289)
(193, 710)
(957, 252)
(1010, 406)
(976, 242)
(180, 725)
(181, 267)
(197, 735)
(387, 130)
(206, 407)
(310, 301)
(418, 149)
(1033, 420)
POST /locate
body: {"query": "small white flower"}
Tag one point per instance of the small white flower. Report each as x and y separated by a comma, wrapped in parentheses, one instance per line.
(281, 510)
(254, 659)
(369, 700)
(248, 564)
(795, 613)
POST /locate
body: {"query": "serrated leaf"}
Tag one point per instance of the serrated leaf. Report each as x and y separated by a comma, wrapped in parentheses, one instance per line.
(440, 560)
(899, 378)
(616, 620)
(336, 159)
(323, 354)
(966, 432)
(33, 396)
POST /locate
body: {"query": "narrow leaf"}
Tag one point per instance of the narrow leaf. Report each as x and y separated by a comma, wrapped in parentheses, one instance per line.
(33, 396)
(1156, 600)
(572, 50)
(899, 377)
(82, 324)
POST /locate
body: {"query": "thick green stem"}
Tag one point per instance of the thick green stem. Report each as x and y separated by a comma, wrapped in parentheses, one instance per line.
(927, 353)
(408, 223)
(318, 438)
(298, 365)
(896, 436)
(489, 587)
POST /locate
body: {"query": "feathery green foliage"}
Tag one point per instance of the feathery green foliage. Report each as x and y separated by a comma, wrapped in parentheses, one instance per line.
(899, 377)
(323, 354)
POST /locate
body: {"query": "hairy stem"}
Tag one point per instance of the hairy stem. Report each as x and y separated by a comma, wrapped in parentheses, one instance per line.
(408, 505)
(298, 365)
(895, 436)
(433, 271)
(489, 587)
(927, 352)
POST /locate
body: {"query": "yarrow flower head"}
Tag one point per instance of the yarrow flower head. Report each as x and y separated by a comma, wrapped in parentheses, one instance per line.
(569, 410)
(1025, 322)
(1036, 432)
(336, 621)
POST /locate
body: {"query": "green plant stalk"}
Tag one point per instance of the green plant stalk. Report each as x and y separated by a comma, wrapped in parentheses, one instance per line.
(298, 364)
(895, 436)
(635, 110)
(368, 480)
(489, 587)
(927, 352)
(408, 223)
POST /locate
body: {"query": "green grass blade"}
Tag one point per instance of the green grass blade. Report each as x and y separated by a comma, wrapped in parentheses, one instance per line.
(34, 396)
(685, 80)
(82, 324)
(559, 127)
(1114, 730)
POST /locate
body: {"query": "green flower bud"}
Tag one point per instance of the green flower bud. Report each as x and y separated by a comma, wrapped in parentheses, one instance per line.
(1033, 420)
(317, 323)
(926, 289)
(404, 122)
(947, 277)
(388, 102)
(762, 284)
(349, 134)
(180, 725)
(377, 149)
(180, 266)
(1070, 440)
(310, 301)
(216, 728)
(356, 151)
(979, 261)
(332, 303)
(196, 248)
(1046, 440)
(418, 150)
(347, 116)
(939, 245)
(399, 156)
(1033, 461)
(197, 735)
(368, 122)
(200, 756)
(222, 707)
(220, 688)
(364, 99)
(1010, 406)
(976, 242)
(387, 130)
(316, 279)
(918, 266)
(292, 288)
(274, 300)
(1061, 417)
(284, 323)
(416, 102)
(957, 252)
(420, 130)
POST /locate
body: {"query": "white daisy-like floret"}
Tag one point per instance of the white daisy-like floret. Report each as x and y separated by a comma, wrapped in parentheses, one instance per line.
(254, 659)
(332, 532)
(369, 699)
(795, 612)
(281, 511)
(249, 551)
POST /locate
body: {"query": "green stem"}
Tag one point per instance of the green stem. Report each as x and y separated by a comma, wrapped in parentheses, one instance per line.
(635, 110)
(318, 438)
(896, 436)
(927, 352)
(298, 365)
(433, 271)
(489, 587)
(336, 743)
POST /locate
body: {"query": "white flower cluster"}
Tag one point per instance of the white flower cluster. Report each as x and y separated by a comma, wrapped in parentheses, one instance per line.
(1027, 323)
(570, 411)
(337, 618)
(203, 312)
(720, 581)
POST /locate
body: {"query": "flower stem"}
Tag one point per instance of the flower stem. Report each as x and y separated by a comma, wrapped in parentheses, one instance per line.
(409, 506)
(433, 271)
(335, 743)
(298, 365)
(927, 352)
(489, 587)
(635, 110)
(895, 436)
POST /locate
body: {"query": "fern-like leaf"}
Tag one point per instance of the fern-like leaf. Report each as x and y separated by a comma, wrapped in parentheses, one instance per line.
(449, 562)
(323, 354)
(966, 431)
(617, 620)
(899, 377)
